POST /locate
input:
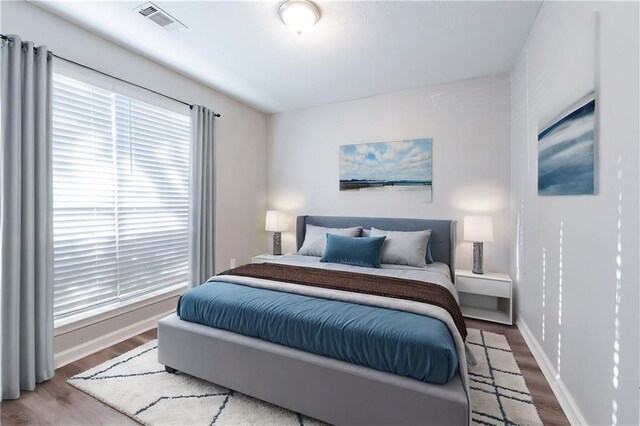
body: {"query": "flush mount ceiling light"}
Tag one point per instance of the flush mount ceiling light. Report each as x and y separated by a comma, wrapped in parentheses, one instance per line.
(299, 15)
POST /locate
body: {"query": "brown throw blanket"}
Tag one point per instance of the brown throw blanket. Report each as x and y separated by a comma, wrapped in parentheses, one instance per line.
(398, 288)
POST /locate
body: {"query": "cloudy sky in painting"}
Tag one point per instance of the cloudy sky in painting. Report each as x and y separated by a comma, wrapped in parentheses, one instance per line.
(402, 160)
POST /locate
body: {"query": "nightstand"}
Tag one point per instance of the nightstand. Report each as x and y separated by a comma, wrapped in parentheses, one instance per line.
(485, 296)
(265, 257)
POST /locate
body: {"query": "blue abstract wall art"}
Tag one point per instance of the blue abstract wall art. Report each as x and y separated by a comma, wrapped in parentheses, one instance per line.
(566, 152)
(400, 165)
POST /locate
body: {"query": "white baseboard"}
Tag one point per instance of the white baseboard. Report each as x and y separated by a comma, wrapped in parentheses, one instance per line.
(87, 348)
(561, 392)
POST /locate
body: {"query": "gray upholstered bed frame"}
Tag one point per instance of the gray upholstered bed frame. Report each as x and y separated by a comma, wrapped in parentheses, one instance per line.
(327, 389)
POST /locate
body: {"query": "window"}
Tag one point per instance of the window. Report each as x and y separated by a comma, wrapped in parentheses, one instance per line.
(120, 197)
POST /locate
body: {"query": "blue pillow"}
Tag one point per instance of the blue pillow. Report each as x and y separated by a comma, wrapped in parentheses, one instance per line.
(357, 251)
(429, 256)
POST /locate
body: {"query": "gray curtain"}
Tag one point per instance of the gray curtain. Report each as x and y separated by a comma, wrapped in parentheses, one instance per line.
(201, 197)
(26, 226)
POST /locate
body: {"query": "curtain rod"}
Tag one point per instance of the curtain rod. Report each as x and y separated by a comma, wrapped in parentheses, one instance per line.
(4, 37)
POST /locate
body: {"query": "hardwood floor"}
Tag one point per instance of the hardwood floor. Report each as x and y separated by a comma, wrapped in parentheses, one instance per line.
(57, 403)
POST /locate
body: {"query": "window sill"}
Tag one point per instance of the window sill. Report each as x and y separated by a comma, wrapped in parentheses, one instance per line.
(103, 313)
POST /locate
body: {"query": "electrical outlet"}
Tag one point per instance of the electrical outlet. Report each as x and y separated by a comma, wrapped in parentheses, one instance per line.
(232, 263)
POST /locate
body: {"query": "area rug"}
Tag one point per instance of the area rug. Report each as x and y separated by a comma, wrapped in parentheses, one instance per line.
(136, 385)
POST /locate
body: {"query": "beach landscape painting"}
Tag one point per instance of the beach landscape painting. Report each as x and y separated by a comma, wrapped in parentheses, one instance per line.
(399, 165)
(566, 152)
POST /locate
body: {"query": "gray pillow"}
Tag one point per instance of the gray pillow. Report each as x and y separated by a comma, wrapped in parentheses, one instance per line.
(404, 248)
(315, 238)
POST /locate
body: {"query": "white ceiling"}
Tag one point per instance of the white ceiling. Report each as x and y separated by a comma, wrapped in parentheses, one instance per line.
(357, 49)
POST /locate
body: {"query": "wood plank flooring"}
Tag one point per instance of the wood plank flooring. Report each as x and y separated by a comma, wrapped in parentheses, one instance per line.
(57, 403)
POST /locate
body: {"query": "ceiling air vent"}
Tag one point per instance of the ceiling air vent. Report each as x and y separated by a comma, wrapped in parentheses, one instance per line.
(159, 16)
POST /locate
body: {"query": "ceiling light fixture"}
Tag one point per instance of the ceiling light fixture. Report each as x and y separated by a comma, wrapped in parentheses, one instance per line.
(299, 15)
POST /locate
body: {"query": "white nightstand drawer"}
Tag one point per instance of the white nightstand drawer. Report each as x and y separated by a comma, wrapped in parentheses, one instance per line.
(487, 287)
(485, 296)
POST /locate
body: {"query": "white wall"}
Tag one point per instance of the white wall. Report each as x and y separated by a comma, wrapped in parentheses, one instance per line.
(469, 124)
(566, 250)
(240, 134)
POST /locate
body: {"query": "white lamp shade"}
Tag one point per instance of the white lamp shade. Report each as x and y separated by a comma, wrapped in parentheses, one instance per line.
(276, 222)
(478, 228)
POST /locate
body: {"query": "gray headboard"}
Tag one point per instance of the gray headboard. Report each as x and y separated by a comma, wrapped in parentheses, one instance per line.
(443, 232)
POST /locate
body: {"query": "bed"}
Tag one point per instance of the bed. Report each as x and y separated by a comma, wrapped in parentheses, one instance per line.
(322, 381)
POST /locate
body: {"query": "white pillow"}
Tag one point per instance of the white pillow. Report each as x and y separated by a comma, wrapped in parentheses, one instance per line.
(404, 248)
(315, 238)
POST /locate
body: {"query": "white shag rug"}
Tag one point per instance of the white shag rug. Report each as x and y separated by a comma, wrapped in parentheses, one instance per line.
(136, 385)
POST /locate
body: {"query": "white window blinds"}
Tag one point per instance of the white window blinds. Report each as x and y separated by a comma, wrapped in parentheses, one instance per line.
(120, 197)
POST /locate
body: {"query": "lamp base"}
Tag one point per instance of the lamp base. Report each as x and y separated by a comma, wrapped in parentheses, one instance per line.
(477, 258)
(277, 244)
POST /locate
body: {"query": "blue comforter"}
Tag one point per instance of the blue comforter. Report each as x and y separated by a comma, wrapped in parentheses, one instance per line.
(397, 342)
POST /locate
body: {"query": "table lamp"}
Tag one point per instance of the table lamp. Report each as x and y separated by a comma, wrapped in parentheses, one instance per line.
(276, 222)
(478, 229)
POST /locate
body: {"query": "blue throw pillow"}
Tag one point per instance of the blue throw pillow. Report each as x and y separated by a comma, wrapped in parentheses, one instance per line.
(357, 251)
(429, 256)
